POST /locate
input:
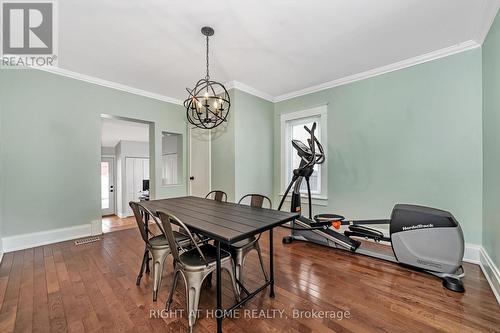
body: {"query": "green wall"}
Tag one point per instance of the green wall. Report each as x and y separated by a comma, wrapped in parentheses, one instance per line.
(242, 149)
(491, 142)
(223, 154)
(51, 150)
(409, 136)
(414, 135)
(254, 145)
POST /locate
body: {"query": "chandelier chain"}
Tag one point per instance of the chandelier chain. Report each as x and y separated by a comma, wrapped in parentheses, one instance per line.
(208, 73)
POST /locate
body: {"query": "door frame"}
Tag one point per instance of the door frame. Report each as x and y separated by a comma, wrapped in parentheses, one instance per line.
(189, 131)
(113, 157)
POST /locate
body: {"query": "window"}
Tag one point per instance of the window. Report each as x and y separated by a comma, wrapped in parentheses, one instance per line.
(171, 158)
(292, 128)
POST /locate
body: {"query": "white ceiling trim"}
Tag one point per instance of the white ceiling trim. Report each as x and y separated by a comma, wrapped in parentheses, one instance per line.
(489, 13)
(448, 51)
(251, 90)
(109, 84)
(465, 46)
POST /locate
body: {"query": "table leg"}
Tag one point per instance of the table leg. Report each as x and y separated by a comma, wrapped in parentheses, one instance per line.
(271, 262)
(146, 224)
(219, 290)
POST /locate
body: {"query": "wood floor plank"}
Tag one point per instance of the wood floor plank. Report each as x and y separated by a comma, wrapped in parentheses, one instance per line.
(24, 322)
(5, 268)
(8, 312)
(41, 321)
(91, 288)
(57, 316)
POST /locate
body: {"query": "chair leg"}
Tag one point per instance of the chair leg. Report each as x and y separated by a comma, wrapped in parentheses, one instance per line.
(209, 280)
(193, 289)
(238, 265)
(173, 286)
(257, 247)
(229, 267)
(147, 261)
(143, 265)
(159, 257)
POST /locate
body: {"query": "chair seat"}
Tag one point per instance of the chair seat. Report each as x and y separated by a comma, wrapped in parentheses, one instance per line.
(161, 240)
(243, 243)
(193, 258)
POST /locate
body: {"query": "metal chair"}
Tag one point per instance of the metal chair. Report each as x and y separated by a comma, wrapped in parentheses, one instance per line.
(193, 265)
(217, 195)
(241, 249)
(156, 245)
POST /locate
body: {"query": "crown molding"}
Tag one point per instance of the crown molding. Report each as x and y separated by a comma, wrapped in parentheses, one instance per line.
(250, 90)
(465, 46)
(441, 53)
(108, 84)
(490, 11)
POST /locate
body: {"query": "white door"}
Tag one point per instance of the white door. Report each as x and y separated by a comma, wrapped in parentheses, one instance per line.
(199, 162)
(136, 170)
(107, 186)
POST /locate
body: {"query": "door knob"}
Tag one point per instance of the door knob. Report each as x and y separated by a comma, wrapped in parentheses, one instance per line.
(191, 178)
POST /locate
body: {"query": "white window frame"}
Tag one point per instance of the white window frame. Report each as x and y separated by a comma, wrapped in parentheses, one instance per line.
(318, 111)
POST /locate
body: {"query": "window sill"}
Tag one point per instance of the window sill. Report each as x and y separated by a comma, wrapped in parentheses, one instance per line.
(317, 199)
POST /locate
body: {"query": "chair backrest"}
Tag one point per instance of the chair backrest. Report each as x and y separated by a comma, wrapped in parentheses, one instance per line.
(217, 196)
(139, 212)
(166, 221)
(257, 200)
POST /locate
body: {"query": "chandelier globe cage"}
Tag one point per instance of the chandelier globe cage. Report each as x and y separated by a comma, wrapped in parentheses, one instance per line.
(208, 103)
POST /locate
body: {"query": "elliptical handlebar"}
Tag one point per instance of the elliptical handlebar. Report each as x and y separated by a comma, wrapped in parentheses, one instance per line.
(313, 142)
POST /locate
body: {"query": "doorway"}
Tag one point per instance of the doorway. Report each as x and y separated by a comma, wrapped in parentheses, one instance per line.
(125, 169)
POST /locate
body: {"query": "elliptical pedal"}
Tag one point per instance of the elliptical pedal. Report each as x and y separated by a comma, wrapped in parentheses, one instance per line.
(365, 232)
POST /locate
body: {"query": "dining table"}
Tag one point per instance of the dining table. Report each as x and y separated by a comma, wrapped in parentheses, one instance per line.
(225, 223)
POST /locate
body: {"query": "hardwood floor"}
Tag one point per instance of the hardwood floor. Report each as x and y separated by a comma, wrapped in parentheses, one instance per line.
(112, 223)
(89, 288)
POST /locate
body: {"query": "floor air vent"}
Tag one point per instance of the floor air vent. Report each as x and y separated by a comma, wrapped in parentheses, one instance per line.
(87, 240)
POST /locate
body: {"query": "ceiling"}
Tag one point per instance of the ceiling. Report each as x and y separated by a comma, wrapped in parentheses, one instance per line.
(115, 130)
(276, 47)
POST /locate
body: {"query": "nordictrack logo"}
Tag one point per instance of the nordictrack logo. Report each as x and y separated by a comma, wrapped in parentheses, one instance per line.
(419, 226)
(28, 34)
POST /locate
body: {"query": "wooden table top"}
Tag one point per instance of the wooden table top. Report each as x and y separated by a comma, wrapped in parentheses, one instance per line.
(223, 221)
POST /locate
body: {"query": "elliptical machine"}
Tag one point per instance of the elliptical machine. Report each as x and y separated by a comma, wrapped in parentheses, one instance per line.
(423, 238)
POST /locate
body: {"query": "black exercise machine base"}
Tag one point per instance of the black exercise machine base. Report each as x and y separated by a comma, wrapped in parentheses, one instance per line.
(453, 284)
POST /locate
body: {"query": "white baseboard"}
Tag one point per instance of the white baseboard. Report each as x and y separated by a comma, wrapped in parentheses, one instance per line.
(26, 241)
(476, 254)
(491, 272)
(123, 215)
(471, 254)
(96, 227)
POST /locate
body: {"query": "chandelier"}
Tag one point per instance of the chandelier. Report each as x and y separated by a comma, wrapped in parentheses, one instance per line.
(208, 103)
